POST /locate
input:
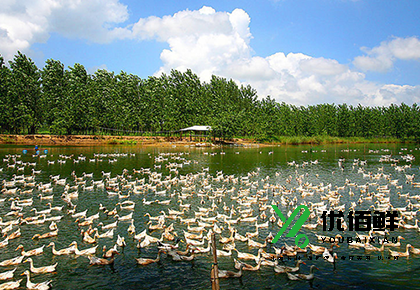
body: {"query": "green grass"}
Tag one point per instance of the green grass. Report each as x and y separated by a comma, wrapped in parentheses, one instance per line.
(7, 139)
(44, 131)
(122, 142)
(296, 140)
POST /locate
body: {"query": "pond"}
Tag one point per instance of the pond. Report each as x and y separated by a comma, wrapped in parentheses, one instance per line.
(213, 181)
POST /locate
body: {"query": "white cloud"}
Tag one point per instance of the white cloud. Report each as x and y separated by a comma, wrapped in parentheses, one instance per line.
(322, 66)
(25, 22)
(92, 70)
(407, 94)
(210, 42)
(93, 20)
(382, 57)
(182, 24)
(206, 41)
(301, 79)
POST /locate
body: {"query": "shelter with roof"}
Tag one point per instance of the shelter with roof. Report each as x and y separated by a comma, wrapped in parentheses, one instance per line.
(199, 131)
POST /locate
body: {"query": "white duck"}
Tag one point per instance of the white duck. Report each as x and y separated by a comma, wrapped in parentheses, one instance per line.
(284, 269)
(41, 270)
(230, 274)
(34, 252)
(7, 275)
(11, 285)
(65, 251)
(309, 276)
(247, 256)
(38, 286)
(329, 257)
(85, 252)
(12, 262)
(121, 241)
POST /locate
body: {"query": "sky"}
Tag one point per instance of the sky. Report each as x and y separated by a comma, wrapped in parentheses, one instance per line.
(300, 52)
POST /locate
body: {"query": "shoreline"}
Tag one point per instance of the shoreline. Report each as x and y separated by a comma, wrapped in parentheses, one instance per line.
(94, 140)
(160, 141)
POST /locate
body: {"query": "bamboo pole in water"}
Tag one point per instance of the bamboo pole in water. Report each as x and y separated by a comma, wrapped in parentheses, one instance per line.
(214, 268)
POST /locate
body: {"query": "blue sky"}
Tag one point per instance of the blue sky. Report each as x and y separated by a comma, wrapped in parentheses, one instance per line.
(297, 51)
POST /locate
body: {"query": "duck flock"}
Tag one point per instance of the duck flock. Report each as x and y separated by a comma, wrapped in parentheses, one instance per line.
(52, 212)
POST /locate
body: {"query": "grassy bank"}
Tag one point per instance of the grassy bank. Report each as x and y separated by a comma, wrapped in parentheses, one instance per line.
(318, 140)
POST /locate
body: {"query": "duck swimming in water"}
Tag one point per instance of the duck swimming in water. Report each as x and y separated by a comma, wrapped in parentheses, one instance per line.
(101, 261)
(168, 247)
(34, 252)
(230, 274)
(108, 254)
(309, 276)
(12, 262)
(145, 261)
(41, 270)
(65, 251)
(11, 285)
(46, 235)
(284, 269)
(7, 275)
(38, 286)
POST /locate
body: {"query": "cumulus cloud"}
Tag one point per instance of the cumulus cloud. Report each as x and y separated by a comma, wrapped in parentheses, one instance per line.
(301, 79)
(25, 22)
(210, 42)
(383, 57)
(187, 23)
(203, 40)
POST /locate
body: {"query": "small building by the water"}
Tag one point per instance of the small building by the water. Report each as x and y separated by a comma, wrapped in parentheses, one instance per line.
(197, 131)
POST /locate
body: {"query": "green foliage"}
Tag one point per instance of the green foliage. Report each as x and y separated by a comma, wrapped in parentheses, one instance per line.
(21, 93)
(70, 101)
(5, 89)
(54, 94)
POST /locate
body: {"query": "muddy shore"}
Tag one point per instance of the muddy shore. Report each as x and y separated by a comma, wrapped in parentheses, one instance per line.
(92, 140)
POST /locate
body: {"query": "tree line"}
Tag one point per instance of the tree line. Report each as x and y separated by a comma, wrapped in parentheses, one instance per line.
(71, 101)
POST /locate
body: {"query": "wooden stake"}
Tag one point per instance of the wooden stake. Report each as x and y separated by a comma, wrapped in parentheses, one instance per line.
(214, 268)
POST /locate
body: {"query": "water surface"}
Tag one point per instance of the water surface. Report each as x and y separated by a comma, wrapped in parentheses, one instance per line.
(266, 167)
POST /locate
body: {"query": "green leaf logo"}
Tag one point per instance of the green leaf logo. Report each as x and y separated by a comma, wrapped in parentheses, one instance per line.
(299, 223)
